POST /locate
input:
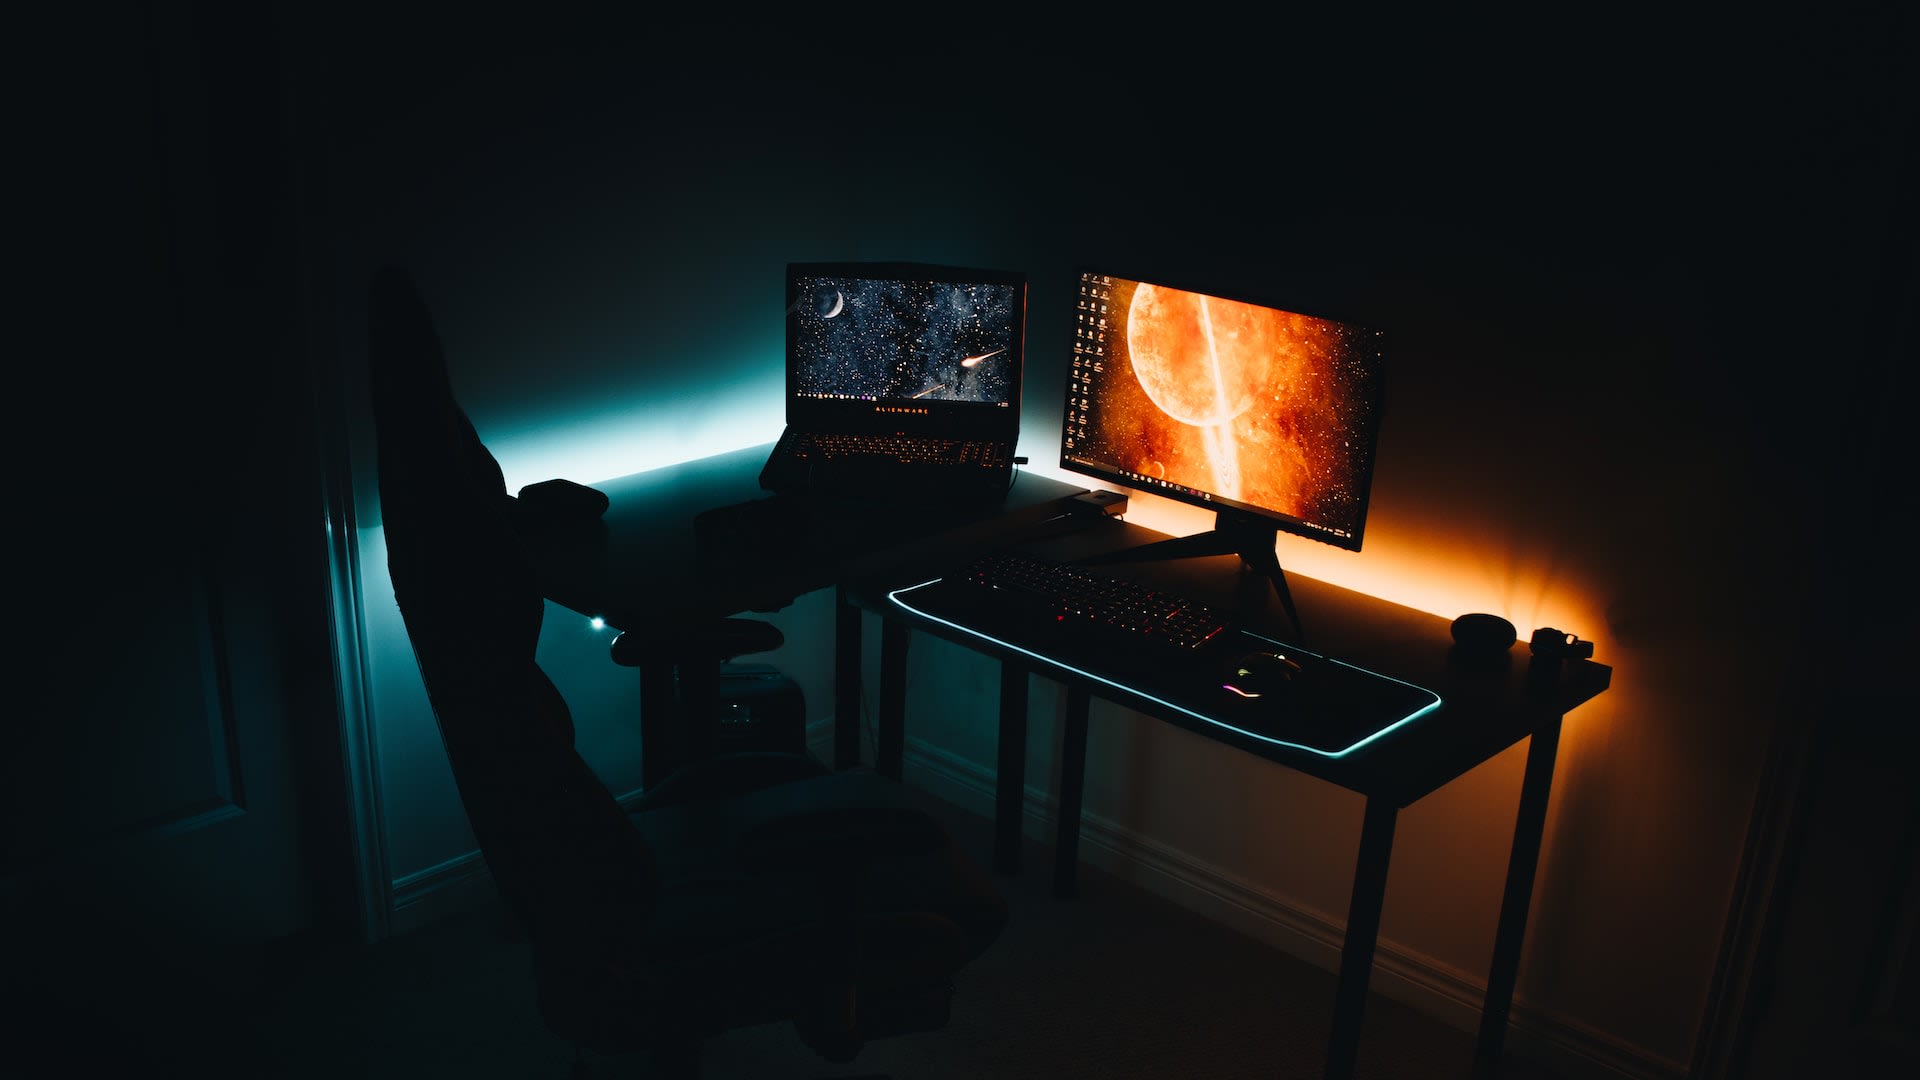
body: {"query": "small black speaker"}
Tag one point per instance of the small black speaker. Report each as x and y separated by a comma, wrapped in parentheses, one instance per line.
(1482, 640)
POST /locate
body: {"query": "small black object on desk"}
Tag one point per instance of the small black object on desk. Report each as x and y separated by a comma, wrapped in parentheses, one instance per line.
(1481, 641)
(1551, 649)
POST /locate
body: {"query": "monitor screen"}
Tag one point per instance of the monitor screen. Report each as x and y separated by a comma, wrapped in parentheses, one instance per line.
(905, 333)
(1268, 416)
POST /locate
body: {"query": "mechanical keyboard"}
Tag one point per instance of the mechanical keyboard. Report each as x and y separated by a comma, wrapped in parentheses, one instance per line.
(1085, 601)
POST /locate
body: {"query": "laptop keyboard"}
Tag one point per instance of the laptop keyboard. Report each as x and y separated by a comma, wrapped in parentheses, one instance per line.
(910, 449)
(906, 467)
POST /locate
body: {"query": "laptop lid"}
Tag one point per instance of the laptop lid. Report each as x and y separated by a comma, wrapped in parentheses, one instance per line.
(880, 347)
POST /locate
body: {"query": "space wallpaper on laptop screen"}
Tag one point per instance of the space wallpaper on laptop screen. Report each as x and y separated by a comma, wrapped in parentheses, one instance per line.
(905, 340)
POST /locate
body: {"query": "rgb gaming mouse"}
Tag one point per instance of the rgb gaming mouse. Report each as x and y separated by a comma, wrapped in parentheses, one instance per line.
(1260, 674)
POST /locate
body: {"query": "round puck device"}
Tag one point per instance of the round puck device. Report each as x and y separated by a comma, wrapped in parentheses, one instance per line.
(1482, 638)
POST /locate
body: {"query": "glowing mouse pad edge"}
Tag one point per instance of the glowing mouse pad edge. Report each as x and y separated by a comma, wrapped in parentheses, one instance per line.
(951, 608)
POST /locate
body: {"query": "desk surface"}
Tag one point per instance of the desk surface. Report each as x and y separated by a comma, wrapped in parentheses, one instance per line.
(702, 539)
(1483, 710)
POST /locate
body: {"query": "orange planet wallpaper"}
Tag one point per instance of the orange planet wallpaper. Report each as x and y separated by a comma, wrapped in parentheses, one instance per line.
(1214, 400)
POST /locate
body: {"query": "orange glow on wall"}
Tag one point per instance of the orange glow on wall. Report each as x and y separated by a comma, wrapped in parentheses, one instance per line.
(1444, 573)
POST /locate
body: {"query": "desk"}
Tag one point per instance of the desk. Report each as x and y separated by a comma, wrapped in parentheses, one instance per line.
(647, 559)
(700, 539)
(1484, 711)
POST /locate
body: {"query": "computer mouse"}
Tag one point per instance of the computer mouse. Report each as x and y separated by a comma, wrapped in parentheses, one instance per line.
(1260, 674)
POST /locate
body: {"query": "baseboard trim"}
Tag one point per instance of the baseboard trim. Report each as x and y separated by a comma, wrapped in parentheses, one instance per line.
(1433, 988)
(1403, 974)
(423, 897)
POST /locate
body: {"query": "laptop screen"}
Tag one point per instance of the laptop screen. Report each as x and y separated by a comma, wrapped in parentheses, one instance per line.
(905, 340)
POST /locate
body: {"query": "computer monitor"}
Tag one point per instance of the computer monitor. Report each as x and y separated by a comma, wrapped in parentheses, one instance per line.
(1268, 417)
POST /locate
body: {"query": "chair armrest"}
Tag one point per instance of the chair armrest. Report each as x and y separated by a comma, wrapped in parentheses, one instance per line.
(563, 500)
(713, 640)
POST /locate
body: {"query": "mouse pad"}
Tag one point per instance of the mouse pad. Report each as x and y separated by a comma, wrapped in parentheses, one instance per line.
(1327, 707)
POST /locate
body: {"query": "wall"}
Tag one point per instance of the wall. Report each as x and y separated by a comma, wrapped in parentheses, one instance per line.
(1592, 263)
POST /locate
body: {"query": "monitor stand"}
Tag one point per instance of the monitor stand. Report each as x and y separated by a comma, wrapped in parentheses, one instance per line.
(1230, 535)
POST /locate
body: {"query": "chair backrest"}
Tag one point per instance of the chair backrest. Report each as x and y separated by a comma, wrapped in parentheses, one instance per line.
(560, 848)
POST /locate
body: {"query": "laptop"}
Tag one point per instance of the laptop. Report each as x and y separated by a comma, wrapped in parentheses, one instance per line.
(903, 382)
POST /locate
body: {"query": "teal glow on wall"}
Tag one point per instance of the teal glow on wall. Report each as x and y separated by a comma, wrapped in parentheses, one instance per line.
(615, 438)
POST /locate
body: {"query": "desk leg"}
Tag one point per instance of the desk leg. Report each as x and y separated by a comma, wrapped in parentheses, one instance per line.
(1073, 779)
(889, 753)
(659, 723)
(1529, 826)
(1010, 776)
(1363, 931)
(846, 682)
